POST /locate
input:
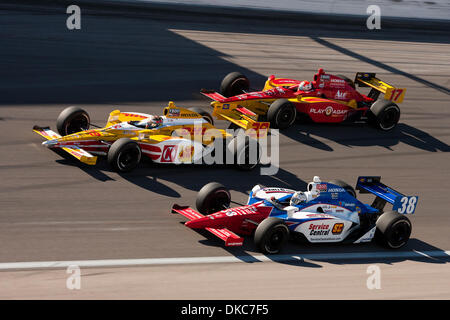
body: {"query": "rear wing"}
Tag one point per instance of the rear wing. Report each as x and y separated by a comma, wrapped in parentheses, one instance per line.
(236, 114)
(401, 203)
(230, 238)
(75, 151)
(365, 79)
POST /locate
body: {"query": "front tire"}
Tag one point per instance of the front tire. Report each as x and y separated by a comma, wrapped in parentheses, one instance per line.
(212, 197)
(393, 230)
(124, 155)
(233, 84)
(281, 114)
(384, 115)
(271, 235)
(72, 120)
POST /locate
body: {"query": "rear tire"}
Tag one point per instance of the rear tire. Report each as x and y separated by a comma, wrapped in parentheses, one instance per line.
(124, 155)
(234, 83)
(384, 115)
(72, 120)
(281, 114)
(344, 185)
(393, 230)
(243, 151)
(205, 115)
(271, 235)
(212, 197)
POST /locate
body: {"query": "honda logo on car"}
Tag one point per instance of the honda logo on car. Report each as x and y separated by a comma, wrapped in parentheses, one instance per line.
(319, 229)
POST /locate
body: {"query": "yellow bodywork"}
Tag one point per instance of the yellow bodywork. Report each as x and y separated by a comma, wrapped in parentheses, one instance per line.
(390, 92)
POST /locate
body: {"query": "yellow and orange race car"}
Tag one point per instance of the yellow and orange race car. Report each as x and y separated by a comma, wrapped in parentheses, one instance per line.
(179, 136)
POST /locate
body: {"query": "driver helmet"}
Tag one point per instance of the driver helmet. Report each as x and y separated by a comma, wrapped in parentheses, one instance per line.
(305, 86)
(155, 122)
(297, 198)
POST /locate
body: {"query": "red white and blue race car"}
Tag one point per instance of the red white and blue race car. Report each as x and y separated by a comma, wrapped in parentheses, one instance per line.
(327, 99)
(327, 212)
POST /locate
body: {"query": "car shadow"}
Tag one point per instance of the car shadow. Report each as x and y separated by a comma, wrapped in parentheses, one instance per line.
(156, 177)
(360, 134)
(311, 255)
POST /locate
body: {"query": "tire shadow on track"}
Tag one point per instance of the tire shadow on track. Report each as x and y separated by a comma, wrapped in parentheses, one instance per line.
(359, 134)
(302, 255)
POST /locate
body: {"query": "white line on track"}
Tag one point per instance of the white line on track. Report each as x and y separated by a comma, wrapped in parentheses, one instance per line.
(225, 259)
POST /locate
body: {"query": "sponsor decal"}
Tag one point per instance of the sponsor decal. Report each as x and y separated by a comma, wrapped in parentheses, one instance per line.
(336, 190)
(340, 81)
(322, 187)
(168, 154)
(319, 229)
(226, 106)
(325, 77)
(186, 154)
(240, 211)
(274, 190)
(340, 95)
(328, 111)
(174, 112)
(337, 228)
(234, 243)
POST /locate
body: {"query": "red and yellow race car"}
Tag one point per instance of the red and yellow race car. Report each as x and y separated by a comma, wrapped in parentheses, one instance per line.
(327, 99)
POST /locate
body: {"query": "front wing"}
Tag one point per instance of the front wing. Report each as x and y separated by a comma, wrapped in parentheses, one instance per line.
(230, 238)
(75, 151)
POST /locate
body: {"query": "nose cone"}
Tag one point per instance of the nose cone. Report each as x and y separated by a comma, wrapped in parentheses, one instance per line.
(198, 223)
(50, 143)
(202, 223)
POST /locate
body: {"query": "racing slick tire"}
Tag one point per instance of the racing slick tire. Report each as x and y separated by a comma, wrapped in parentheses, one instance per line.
(212, 197)
(233, 84)
(72, 120)
(281, 114)
(205, 115)
(242, 149)
(124, 155)
(271, 235)
(384, 115)
(344, 185)
(346, 79)
(393, 230)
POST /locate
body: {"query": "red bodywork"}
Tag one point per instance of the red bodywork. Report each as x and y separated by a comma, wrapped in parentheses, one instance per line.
(226, 223)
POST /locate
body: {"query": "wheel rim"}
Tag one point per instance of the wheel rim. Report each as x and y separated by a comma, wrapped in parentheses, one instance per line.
(399, 234)
(77, 124)
(219, 201)
(275, 240)
(284, 117)
(128, 159)
(238, 86)
(389, 118)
